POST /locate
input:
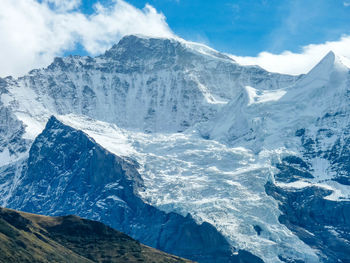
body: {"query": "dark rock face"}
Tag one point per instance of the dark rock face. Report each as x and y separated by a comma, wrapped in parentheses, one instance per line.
(11, 131)
(339, 157)
(68, 173)
(336, 153)
(323, 224)
(292, 169)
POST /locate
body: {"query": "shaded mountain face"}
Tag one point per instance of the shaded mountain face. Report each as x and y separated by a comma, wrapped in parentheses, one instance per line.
(69, 173)
(11, 132)
(33, 238)
(320, 223)
(237, 147)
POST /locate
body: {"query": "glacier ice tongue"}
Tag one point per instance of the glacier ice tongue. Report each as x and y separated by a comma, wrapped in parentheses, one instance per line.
(218, 184)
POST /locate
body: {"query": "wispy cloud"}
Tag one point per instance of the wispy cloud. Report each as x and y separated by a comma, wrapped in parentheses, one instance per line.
(346, 4)
(32, 33)
(295, 16)
(298, 63)
(63, 5)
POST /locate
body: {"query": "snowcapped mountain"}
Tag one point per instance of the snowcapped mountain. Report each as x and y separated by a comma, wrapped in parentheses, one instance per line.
(152, 85)
(260, 156)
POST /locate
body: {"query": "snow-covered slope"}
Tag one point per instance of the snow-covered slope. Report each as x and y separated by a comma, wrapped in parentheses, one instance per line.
(271, 115)
(153, 85)
(215, 139)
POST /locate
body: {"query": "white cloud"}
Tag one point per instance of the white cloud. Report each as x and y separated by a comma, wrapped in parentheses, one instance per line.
(33, 33)
(346, 4)
(298, 63)
(123, 19)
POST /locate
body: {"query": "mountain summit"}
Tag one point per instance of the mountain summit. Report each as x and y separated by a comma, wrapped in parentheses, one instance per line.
(163, 50)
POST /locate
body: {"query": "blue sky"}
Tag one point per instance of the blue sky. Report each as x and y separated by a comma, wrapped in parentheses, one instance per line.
(286, 36)
(247, 27)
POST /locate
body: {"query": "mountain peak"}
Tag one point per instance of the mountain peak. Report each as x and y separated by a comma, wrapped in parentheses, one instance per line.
(144, 47)
(329, 63)
(330, 55)
(325, 64)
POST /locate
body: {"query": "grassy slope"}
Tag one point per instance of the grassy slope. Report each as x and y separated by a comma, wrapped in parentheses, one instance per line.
(32, 238)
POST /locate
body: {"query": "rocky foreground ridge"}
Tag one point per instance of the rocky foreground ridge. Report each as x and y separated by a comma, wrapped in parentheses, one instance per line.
(33, 238)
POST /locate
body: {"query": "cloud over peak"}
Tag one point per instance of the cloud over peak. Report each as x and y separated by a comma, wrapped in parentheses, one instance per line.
(32, 33)
(297, 63)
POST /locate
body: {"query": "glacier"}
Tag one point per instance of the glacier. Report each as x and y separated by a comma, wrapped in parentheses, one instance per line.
(229, 144)
(67, 172)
